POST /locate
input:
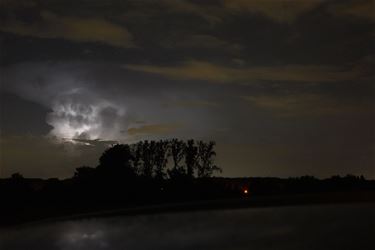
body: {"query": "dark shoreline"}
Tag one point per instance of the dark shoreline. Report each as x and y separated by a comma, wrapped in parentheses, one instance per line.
(332, 198)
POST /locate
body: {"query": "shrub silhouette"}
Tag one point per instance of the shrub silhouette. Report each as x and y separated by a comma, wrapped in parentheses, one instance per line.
(85, 173)
(117, 162)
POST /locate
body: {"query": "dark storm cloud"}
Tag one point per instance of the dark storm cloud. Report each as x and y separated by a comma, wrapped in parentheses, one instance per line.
(170, 31)
(72, 28)
(100, 101)
(79, 107)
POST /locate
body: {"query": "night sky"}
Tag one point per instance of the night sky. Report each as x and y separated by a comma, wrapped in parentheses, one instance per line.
(285, 87)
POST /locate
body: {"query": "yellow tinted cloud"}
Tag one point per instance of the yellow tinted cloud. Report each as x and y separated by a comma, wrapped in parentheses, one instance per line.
(184, 6)
(191, 104)
(302, 104)
(364, 9)
(198, 70)
(154, 129)
(278, 10)
(202, 41)
(74, 29)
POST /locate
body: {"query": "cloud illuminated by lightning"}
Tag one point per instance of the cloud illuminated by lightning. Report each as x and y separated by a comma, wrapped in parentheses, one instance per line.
(79, 115)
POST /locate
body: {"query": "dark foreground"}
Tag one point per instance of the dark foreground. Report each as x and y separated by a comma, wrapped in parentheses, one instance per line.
(33, 200)
(339, 226)
(34, 214)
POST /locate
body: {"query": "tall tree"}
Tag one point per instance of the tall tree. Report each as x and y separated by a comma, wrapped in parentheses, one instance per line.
(177, 152)
(206, 154)
(137, 156)
(191, 157)
(148, 158)
(161, 154)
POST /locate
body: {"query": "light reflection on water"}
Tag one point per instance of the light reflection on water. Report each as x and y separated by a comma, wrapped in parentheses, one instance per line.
(314, 227)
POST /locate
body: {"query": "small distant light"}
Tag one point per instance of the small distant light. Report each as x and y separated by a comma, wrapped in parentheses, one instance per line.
(245, 191)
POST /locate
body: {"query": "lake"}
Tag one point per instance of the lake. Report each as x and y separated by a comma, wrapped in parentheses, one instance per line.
(298, 227)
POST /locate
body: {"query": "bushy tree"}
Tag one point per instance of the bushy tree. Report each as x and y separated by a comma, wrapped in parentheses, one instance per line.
(16, 177)
(117, 160)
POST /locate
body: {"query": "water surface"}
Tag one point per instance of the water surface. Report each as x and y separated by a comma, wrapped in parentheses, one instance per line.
(300, 227)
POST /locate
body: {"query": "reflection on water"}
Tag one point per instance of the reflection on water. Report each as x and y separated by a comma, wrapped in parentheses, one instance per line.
(315, 227)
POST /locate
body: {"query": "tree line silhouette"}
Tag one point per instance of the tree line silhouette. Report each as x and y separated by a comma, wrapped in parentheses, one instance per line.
(158, 160)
